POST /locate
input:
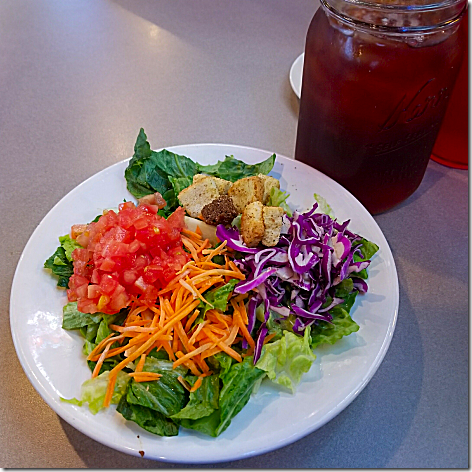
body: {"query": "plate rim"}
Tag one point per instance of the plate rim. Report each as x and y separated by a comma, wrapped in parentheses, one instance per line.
(67, 416)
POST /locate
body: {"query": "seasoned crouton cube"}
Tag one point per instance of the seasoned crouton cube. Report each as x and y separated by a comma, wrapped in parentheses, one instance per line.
(245, 191)
(269, 182)
(198, 177)
(222, 184)
(252, 224)
(272, 217)
(199, 194)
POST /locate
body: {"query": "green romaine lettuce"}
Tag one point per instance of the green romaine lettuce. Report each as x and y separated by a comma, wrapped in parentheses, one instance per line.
(233, 169)
(218, 298)
(164, 172)
(69, 245)
(166, 395)
(238, 384)
(150, 420)
(328, 333)
(93, 391)
(220, 363)
(72, 318)
(207, 425)
(204, 401)
(323, 205)
(368, 249)
(287, 359)
(278, 198)
(60, 263)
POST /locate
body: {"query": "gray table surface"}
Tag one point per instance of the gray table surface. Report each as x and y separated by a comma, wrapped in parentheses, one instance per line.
(78, 80)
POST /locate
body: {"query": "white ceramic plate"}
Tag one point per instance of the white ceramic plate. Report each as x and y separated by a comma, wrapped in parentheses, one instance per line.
(296, 74)
(53, 361)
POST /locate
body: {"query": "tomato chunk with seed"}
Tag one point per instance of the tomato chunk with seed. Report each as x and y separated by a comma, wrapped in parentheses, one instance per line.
(130, 253)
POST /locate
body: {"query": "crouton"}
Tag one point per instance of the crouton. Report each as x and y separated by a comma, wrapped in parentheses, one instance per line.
(198, 177)
(252, 224)
(222, 184)
(272, 217)
(269, 182)
(199, 194)
(245, 191)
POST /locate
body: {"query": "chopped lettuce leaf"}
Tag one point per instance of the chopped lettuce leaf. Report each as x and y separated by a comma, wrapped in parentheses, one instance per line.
(323, 205)
(237, 222)
(239, 382)
(218, 298)
(287, 359)
(220, 363)
(204, 401)
(72, 318)
(60, 263)
(180, 183)
(166, 395)
(207, 425)
(368, 249)
(328, 333)
(60, 266)
(93, 391)
(233, 169)
(277, 198)
(238, 385)
(344, 288)
(150, 420)
(164, 172)
(69, 245)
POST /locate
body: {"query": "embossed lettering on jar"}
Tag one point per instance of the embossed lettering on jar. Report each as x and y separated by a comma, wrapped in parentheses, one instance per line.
(376, 83)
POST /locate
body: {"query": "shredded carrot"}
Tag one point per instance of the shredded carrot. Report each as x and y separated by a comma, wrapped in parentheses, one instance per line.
(196, 385)
(238, 320)
(193, 353)
(216, 251)
(185, 384)
(169, 323)
(190, 246)
(145, 376)
(196, 332)
(243, 311)
(222, 345)
(140, 365)
(268, 338)
(190, 321)
(99, 363)
(235, 267)
(203, 246)
(192, 234)
(189, 364)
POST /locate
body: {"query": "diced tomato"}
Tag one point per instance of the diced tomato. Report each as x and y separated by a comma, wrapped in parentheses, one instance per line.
(76, 230)
(93, 291)
(133, 252)
(177, 219)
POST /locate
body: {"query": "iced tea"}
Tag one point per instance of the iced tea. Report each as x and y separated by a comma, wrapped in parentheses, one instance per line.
(371, 107)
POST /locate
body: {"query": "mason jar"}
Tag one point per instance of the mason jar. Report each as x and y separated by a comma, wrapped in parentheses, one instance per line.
(377, 77)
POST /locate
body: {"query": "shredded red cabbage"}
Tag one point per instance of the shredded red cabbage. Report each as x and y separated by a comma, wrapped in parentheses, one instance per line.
(313, 256)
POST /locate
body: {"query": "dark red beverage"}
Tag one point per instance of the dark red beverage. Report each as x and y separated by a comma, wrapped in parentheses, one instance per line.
(372, 105)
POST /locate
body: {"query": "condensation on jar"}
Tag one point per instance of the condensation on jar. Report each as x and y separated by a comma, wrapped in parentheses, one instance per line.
(376, 83)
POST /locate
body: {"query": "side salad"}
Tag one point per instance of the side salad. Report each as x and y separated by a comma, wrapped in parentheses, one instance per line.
(189, 298)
